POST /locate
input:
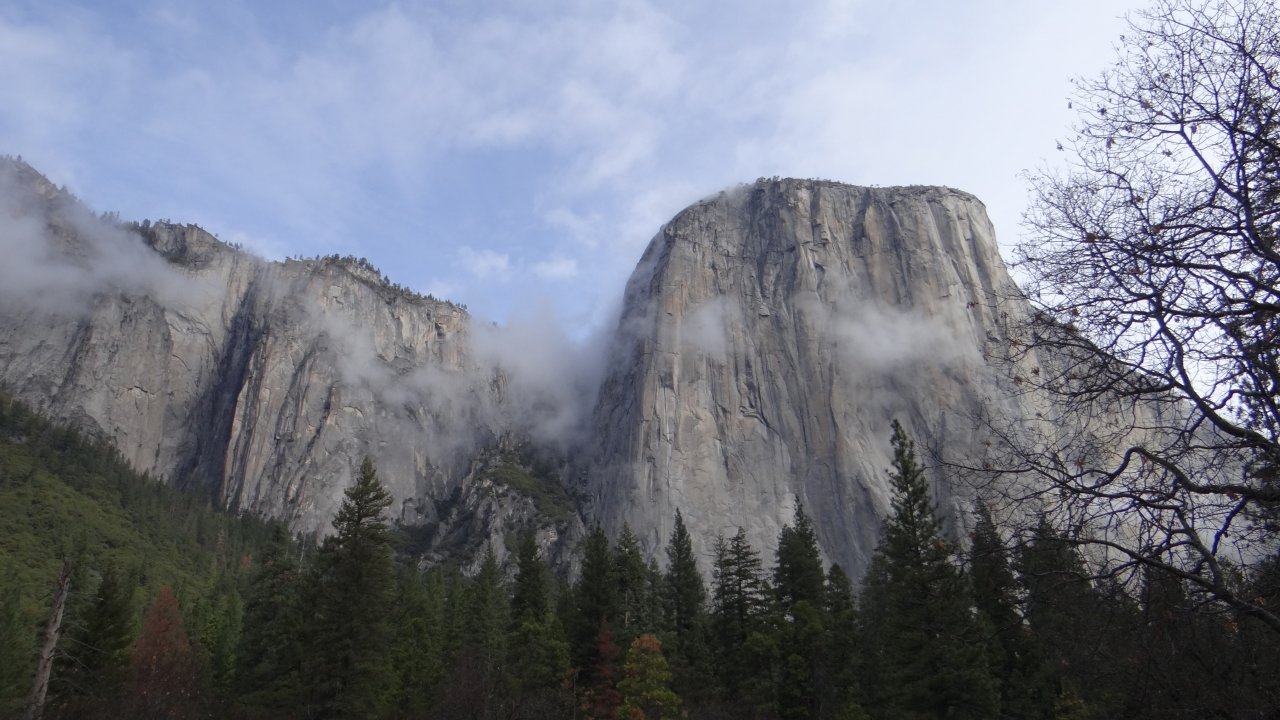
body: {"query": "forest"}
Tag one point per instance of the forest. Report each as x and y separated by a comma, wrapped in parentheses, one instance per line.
(176, 610)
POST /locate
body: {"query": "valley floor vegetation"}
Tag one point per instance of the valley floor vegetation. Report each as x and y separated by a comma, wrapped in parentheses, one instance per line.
(179, 611)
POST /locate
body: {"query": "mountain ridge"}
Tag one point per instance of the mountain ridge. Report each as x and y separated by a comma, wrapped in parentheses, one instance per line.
(262, 383)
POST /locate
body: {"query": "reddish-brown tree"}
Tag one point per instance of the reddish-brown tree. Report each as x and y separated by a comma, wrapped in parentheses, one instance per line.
(602, 699)
(165, 672)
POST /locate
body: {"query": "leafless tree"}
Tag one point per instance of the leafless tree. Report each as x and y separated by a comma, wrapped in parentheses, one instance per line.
(1154, 272)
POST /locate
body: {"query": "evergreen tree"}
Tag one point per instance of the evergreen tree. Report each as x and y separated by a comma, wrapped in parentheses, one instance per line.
(995, 597)
(798, 576)
(742, 648)
(928, 650)
(531, 597)
(17, 646)
(269, 654)
(685, 619)
(538, 652)
(645, 688)
(419, 643)
(595, 600)
(652, 616)
(685, 598)
(1080, 635)
(96, 660)
(219, 616)
(839, 692)
(348, 660)
(1056, 594)
(484, 649)
(631, 575)
(798, 588)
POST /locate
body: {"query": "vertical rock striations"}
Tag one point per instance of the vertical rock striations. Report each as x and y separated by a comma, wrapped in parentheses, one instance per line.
(768, 337)
(262, 384)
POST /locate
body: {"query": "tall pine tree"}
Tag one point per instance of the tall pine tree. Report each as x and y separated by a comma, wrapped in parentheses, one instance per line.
(995, 595)
(538, 655)
(164, 673)
(927, 650)
(684, 596)
(741, 636)
(631, 575)
(97, 656)
(269, 655)
(798, 587)
(348, 663)
(595, 601)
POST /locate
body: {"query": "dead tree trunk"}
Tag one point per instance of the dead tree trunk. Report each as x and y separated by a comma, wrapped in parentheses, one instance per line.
(40, 687)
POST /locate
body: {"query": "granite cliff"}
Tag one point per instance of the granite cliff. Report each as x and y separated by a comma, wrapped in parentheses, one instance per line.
(263, 384)
(768, 336)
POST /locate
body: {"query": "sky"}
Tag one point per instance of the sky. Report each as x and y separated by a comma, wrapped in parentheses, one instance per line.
(519, 155)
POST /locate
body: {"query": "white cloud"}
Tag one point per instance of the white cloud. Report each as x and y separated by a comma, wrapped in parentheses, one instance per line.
(59, 268)
(485, 264)
(556, 268)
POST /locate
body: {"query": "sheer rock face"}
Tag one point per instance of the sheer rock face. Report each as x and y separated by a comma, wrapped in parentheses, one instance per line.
(769, 336)
(265, 393)
(261, 383)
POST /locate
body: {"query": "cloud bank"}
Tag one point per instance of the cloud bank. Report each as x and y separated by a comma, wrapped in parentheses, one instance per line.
(57, 255)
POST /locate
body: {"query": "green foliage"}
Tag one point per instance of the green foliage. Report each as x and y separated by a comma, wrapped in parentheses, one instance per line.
(95, 657)
(419, 662)
(927, 652)
(347, 662)
(342, 632)
(798, 587)
(840, 691)
(269, 654)
(741, 643)
(217, 617)
(798, 576)
(631, 578)
(17, 646)
(595, 599)
(645, 688)
(534, 480)
(63, 495)
(531, 597)
(995, 595)
(685, 612)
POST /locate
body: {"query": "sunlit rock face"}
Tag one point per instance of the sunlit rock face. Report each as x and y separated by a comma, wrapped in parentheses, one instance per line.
(769, 336)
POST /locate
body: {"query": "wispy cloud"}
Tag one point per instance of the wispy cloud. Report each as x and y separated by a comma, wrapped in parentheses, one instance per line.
(561, 129)
(485, 264)
(556, 268)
